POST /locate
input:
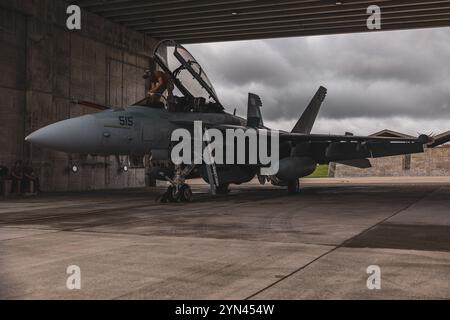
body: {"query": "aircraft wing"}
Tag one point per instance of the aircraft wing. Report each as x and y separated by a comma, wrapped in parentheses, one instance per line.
(300, 137)
(325, 148)
(307, 137)
(347, 147)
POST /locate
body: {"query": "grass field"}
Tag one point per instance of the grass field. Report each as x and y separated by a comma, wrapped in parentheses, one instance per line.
(321, 172)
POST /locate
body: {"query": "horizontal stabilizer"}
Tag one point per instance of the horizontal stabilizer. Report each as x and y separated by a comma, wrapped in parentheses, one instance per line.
(306, 121)
(358, 163)
(439, 140)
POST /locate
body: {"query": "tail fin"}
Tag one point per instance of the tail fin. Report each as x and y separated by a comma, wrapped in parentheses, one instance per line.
(306, 121)
(254, 118)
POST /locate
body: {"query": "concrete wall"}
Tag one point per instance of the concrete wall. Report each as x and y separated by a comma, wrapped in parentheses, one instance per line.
(43, 66)
(433, 162)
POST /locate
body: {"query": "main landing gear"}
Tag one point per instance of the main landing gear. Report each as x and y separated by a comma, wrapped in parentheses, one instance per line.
(294, 186)
(178, 191)
(223, 188)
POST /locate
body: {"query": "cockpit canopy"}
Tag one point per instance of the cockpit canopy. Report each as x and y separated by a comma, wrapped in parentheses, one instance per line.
(183, 67)
(193, 90)
(187, 76)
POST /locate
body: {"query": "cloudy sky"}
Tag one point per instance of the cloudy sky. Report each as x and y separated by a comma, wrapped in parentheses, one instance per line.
(396, 80)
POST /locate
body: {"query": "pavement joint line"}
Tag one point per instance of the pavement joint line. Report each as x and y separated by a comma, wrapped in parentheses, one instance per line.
(109, 233)
(34, 209)
(6, 223)
(178, 213)
(70, 215)
(156, 206)
(49, 231)
(27, 228)
(342, 244)
(173, 214)
(150, 204)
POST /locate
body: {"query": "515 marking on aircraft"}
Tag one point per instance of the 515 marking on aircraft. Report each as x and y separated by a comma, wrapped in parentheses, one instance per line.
(126, 121)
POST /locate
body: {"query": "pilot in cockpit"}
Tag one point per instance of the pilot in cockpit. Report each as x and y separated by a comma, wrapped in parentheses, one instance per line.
(159, 82)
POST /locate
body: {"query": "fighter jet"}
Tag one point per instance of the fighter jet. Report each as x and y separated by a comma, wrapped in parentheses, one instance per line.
(145, 128)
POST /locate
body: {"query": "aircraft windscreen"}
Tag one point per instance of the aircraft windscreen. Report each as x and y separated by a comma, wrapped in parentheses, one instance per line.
(187, 70)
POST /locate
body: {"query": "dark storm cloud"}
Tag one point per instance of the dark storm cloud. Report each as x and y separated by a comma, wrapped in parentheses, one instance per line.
(371, 76)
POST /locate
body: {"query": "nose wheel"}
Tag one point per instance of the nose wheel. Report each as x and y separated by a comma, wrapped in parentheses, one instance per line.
(178, 191)
(168, 196)
(183, 194)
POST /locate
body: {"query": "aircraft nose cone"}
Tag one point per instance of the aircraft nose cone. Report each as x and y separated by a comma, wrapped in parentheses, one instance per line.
(77, 135)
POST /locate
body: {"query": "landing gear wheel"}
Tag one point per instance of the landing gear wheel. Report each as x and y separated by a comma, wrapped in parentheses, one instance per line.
(185, 193)
(293, 186)
(223, 188)
(168, 196)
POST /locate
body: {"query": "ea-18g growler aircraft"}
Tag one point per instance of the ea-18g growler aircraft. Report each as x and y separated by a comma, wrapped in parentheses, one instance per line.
(146, 127)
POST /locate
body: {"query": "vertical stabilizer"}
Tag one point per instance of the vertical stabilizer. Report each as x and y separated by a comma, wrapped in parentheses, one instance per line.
(254, 118)
(306, 121)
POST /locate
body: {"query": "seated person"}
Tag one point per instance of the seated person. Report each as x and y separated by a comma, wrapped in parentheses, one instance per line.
(31, 181)
(17, 177)
(159, 83)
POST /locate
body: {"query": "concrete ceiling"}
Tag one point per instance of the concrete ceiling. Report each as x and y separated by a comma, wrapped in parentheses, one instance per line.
(196, 21)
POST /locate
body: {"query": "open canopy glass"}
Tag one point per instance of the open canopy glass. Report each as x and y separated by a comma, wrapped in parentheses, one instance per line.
(186, 73)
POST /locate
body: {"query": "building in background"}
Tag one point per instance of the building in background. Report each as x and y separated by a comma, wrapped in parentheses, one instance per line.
(433, 162)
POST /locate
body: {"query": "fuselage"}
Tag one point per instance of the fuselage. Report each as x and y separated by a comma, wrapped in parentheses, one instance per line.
(124, 131)
(141, 130)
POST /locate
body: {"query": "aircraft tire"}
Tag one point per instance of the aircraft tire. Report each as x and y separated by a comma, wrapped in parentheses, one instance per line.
(167, 196)
(223, 188)
(294, 186)
(185, 193)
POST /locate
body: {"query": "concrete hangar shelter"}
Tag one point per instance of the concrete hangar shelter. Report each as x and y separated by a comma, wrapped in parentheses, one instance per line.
(45, 66)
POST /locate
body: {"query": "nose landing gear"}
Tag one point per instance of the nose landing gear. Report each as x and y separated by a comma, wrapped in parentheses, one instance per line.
(183, 194)
(178, 191)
